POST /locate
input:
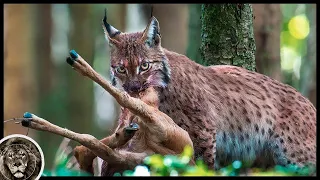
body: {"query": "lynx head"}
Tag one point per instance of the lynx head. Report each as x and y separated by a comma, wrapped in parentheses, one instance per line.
(137, 59)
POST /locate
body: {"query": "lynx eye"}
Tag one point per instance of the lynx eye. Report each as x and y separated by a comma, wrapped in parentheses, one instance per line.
(121, 69)
(144, 66)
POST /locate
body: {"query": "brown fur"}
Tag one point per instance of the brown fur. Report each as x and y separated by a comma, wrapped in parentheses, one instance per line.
(237, 104)
(229, 112)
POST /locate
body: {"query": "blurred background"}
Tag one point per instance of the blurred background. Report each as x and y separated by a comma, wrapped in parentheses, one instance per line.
(38, 37)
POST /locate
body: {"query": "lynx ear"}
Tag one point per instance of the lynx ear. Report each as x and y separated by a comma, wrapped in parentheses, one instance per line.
(109, 31)
(151, 35)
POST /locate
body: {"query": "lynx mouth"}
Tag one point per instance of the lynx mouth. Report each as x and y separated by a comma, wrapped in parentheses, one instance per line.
(134, 89)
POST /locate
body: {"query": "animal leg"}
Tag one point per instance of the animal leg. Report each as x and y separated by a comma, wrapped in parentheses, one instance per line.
(132, 160)
(85, 156)
(97, 147)
(135, 105)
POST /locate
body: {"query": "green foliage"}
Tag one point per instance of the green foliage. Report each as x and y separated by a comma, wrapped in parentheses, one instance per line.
(62, 171)
(169, 165)
(61, 166)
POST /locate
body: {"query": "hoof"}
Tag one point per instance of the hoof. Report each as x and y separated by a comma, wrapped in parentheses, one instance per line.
(73, 54)
(27, 115)
(133, 127)
(70, 61)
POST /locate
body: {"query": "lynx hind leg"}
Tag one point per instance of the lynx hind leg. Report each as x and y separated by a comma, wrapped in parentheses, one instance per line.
(296, 141)
(285, 155)
(296, 152)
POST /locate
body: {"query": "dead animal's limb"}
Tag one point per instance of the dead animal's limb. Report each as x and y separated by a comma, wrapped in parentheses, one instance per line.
(146, 113)
(165, 136)
(135, 105)
(97, 147)
(85, 156)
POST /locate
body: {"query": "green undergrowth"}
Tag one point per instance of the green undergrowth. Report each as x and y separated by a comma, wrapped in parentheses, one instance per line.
(60, 166)
(170, 165)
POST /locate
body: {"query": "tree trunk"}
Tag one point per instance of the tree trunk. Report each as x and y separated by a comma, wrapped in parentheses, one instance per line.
(267, 29)
(194, 42)
(227, 35)
(19, 81)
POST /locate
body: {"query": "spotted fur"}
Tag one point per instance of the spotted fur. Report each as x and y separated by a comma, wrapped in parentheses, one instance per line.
(229, 112)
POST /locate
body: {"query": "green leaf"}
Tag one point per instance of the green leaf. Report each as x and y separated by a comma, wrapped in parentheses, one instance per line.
(237, 164)
(117, 174)
(68, 172)
(62, 162)
(127, 173)
(187, 151)
(155, 161)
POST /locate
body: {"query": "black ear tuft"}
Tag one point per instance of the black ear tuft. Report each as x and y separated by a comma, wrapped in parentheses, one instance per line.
(112, 32)
(152, 33)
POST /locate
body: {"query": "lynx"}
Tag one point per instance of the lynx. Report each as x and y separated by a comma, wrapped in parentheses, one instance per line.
(229, 112)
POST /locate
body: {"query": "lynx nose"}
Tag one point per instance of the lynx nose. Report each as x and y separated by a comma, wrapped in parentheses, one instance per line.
(132, 86)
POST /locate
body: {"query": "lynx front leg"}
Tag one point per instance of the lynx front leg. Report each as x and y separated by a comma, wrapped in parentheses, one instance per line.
(205, 148)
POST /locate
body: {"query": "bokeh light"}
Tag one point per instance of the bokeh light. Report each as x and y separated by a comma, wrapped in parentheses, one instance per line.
(299, 26)
(288, 58)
